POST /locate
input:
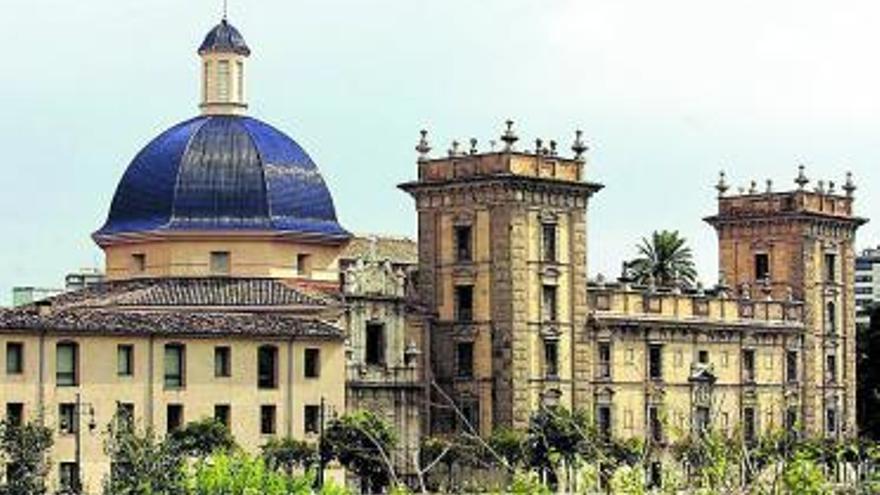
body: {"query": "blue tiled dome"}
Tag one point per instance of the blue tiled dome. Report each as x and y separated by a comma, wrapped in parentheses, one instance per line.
(224, 38)
(222, 173)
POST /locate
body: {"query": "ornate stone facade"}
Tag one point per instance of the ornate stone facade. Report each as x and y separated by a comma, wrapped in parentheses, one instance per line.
(502, 267)
(385, 339)
(801, 244)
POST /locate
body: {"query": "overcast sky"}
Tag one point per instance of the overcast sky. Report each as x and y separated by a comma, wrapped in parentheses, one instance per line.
(667, 93)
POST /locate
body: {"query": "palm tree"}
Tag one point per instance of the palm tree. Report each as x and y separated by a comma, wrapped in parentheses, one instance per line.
(666, 258)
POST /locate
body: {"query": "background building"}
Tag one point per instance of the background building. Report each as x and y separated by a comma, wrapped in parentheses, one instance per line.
(867, 285)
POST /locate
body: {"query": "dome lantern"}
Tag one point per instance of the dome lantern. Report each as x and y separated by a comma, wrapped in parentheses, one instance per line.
(223, 53)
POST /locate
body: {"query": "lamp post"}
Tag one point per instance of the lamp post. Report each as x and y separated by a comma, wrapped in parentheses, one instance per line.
(77, 422)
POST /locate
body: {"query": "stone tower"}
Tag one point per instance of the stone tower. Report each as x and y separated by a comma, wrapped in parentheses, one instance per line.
(502, 266)
(800, 244)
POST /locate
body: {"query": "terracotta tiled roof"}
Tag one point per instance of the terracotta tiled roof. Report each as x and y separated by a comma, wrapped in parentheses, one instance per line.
(399, 250)
(166, 323)
(181, 306)
(171, 292)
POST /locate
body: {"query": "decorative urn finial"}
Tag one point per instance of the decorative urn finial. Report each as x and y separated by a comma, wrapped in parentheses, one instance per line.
(453, 151)
(850, 185)
(509, 137)
(473, 146)
(552, 147)
(423, 147)
(769, 186)
(579, 147)
(801, 180)
(753, 187)
(722, 187)
(539, 144)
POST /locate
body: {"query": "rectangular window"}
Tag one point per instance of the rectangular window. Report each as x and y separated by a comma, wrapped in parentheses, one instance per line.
(223, 80)
(655, 426)
(762, 266)
(138, 262)
(470, 423)
(464, 359)
(748, 365)
(15, 413)
(220, 263)
(831, 318)
(14, 358)
(463, 236)
(701, 419)
(831, 368)
(267, 419)
(68, 477)
(703, 357)
(312, 363)
(125, 360)
(603, 421)
(548, 305)
(464, 303)
(791, 366)
(312, 418)
(551, 358)
(125, 415)
(375, 349)
(303, 265)
(267, 367)
(749, 429)
(603, 370)
(67, 423)
(222, 362)
(239, 66)
(831, 421)
(175, 366)
(548, 242)
(830, 267)
(791, 420)
(222, 414)
(655, 362)
(66, 364)
(206, 76)
(173, 417)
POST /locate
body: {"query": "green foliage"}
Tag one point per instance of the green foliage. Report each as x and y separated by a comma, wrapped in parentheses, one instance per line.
(527, 484)
(240, 474)
(803, 477)
(511, 445)
(25, 454)
(202, 438)
(665, 258)
(142, 464)
(362, 442)
(557, 436)
(288, 454)
(628, 480)
(711, 459)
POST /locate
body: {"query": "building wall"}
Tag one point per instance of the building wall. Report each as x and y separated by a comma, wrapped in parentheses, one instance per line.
(248, 258)
(376, 294)
(630, 321)
(508, 272)
(797, 247)
(101, 388)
